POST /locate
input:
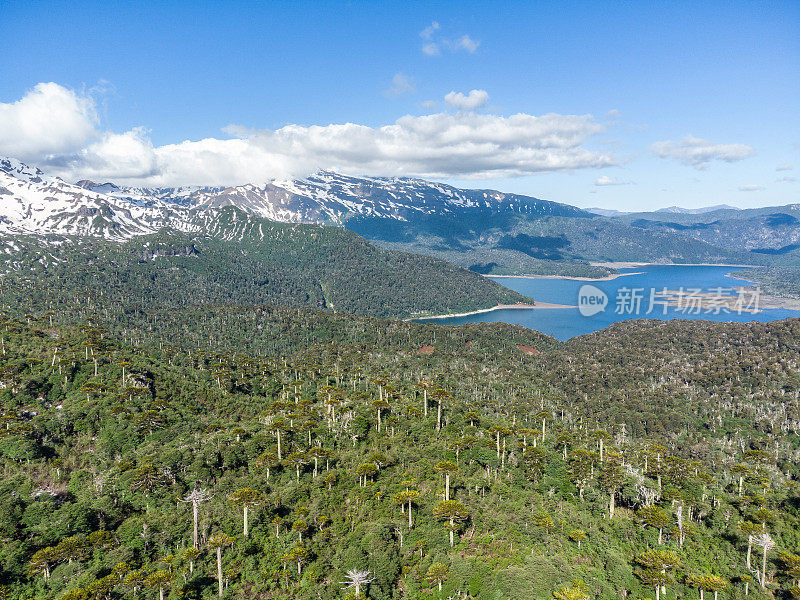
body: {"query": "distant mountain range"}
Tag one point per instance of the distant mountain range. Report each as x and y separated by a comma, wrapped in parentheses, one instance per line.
(772, 231)
(485, 230)
(610, 212)
(696, 211)
(35, 203)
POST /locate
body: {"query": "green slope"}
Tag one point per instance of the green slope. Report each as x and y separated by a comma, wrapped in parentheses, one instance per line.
(783, 282)
(100, 440)
(771, 235)
(246, 261)
(513, 243)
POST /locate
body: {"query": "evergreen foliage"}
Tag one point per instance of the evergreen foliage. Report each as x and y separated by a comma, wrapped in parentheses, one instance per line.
(688, 429)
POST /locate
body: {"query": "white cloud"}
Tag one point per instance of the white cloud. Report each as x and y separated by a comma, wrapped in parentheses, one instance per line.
(439, 145)
(401, 84)
(786, 179)
(784, 167)
(431, 49)
(428, 104)
(427, 33)
(127, 155)
(474, 99)
(751, 188)
(697, 152)
(48, 119)
(433, 45)
(465, 43)
(605, 180)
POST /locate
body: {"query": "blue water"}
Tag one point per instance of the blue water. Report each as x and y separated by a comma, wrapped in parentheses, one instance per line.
(566, 323)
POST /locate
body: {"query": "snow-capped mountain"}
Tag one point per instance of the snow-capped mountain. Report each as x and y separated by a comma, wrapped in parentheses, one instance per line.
(332, 198)
(33, 203)
(144, 196)
(695, 211)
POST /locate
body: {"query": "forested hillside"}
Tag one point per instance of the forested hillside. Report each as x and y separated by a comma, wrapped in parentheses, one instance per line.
(650, 460)
(244, 260)
(777, 281)
(772, 232)
(513, 243)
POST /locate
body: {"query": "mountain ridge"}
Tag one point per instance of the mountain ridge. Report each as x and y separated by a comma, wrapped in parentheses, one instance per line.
(488, 231)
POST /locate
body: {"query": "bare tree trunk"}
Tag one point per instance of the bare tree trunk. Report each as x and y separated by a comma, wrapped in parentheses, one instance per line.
(195, 510)
(452, 527)
(219, 569)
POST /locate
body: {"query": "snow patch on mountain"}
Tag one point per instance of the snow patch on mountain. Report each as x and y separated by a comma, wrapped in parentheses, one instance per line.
(33, 203)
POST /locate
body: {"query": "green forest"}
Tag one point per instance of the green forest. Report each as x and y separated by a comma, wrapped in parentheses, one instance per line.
(388, 459)
(245, 260)
(783, 282)
(191, 416)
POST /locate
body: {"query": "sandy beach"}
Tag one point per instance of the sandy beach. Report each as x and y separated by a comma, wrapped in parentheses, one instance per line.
(519, 305)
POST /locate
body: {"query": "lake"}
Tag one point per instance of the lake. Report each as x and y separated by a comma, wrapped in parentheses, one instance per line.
(622, 293)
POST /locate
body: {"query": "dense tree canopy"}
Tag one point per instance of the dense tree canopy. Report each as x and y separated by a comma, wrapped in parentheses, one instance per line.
(650, 459)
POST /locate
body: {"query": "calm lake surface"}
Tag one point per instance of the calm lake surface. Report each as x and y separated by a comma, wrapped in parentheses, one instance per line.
(569, 322)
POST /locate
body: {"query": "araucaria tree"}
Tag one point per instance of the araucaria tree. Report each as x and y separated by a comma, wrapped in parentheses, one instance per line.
(356, 579)
(657, 565)
(407, 499)
(246, 498)
(454, 513)
(195, 498)
(217, 542)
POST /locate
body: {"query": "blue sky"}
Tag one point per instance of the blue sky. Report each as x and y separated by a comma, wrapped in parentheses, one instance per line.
(663, 102)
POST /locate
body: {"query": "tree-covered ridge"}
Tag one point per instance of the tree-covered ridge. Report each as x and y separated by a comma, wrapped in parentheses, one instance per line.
(494, 474)
(772, 231)
(245, 261)
(516, 243)
(776, 281)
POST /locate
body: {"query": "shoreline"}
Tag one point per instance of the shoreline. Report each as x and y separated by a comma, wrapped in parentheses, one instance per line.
(769, 301)
(631, 265)
(569, 277)
(732, 276)
(518, 306)
(616, 265)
